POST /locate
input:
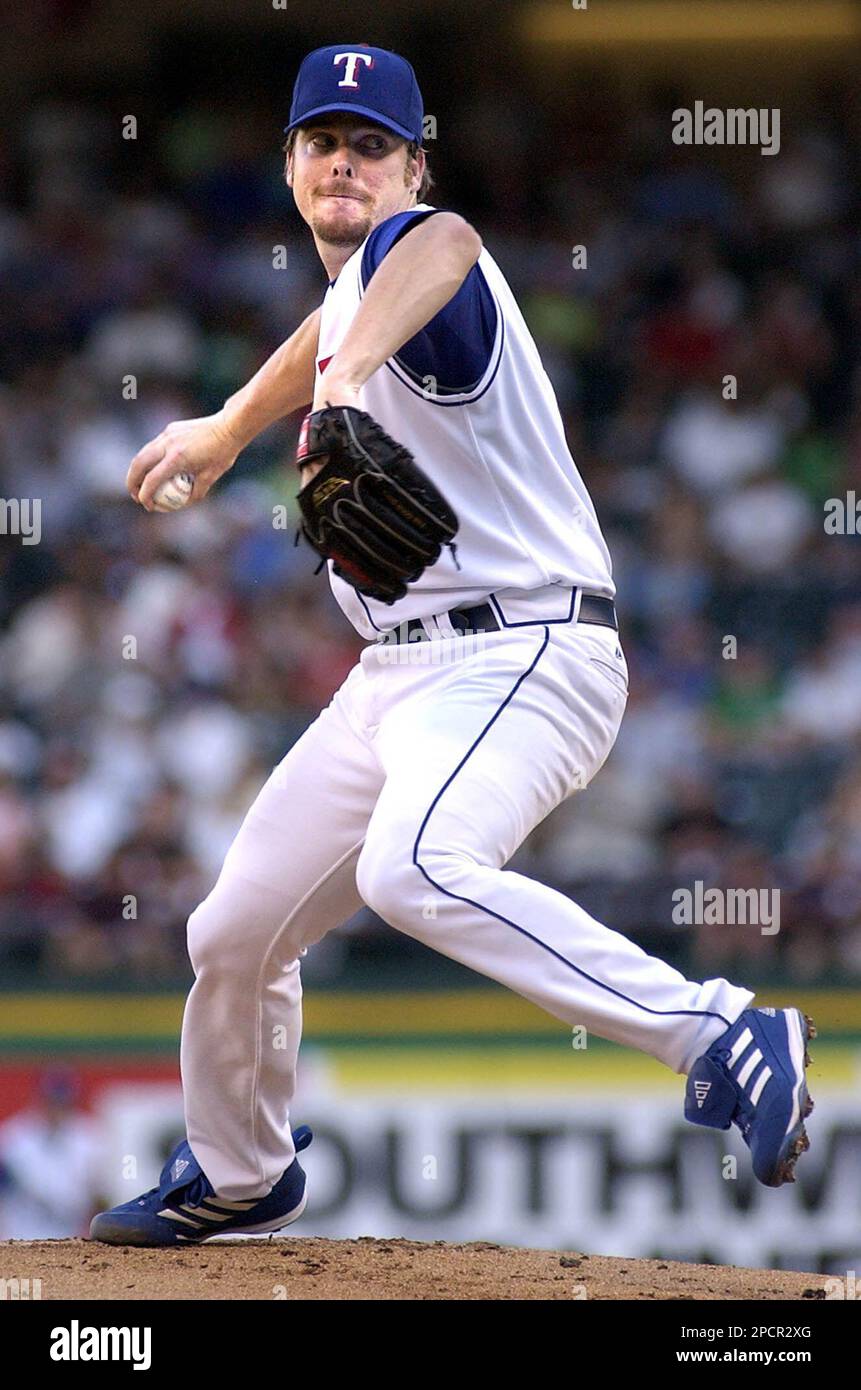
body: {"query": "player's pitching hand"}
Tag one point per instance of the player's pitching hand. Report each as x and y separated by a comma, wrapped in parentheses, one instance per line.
(204, 448)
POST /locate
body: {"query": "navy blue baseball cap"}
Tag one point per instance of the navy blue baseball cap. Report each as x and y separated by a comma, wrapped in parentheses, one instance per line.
(362, 80)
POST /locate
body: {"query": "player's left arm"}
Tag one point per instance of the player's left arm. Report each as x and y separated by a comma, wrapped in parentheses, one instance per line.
(416, 278)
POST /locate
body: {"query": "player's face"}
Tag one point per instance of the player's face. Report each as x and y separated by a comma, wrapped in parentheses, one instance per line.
(346, 177)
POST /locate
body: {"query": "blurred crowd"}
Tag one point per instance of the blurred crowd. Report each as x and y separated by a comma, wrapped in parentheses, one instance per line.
(52, 1161)
(705, 356)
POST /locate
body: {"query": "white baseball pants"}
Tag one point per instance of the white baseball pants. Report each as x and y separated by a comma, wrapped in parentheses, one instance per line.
(410, 792)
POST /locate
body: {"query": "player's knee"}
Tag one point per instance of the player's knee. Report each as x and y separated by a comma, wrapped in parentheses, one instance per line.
(215, 932)
(401, 886)
(200, 934)
(387, 879)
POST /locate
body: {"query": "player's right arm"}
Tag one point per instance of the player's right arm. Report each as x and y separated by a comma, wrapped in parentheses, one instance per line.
(208, 447)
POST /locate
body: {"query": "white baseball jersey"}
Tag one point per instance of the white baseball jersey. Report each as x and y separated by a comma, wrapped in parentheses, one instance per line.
(469, 397)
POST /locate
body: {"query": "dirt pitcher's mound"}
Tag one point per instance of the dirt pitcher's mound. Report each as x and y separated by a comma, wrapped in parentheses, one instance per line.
(292, 1268)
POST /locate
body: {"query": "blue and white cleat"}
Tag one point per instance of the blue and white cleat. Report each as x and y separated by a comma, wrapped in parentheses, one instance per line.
(753, 1076)
(184, 1209)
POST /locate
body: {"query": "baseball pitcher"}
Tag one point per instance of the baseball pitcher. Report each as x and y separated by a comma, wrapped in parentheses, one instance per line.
(435, 483)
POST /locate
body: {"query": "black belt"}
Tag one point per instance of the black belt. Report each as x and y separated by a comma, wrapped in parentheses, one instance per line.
(594, 608)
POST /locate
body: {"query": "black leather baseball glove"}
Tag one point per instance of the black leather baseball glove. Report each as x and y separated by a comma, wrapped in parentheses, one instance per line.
(370, 509)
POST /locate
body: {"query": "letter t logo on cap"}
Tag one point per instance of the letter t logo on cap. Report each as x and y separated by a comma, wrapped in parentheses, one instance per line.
(352, 60)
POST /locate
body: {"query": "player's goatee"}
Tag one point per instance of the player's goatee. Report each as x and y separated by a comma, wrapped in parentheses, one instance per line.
(336, 233)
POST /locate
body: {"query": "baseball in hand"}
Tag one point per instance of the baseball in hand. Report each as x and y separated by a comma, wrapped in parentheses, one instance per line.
(173, 494)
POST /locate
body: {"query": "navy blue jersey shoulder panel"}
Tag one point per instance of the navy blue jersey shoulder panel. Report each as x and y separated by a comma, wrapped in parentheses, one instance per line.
(455, 346)
(384, 236)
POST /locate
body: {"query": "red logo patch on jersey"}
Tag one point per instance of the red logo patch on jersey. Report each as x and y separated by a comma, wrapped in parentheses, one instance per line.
(324, 362)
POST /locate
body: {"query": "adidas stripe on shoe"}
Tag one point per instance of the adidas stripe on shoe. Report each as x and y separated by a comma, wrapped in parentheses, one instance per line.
(184, 1208)
(753, 1077)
